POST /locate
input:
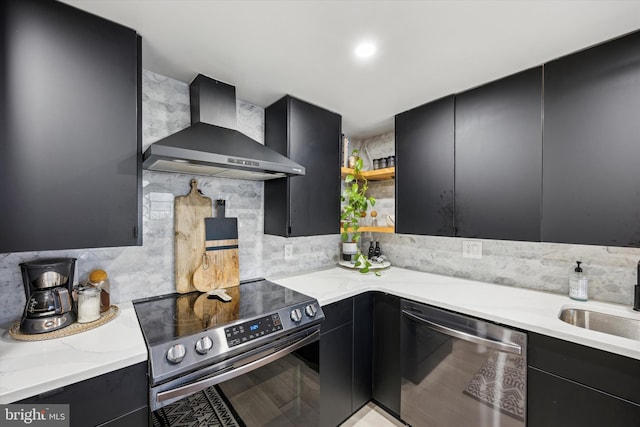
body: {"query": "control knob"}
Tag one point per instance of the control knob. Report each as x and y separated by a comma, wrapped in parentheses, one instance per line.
(176, 353)
(311, 310)
(296, 315)
(203, 345)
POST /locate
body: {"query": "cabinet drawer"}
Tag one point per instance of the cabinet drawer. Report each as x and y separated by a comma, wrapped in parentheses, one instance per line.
(602, 370)
(101, 399)
(554, 401)
(137, 418)
(337, 314)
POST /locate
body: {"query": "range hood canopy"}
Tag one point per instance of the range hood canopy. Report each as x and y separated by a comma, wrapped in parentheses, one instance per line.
(212, 146)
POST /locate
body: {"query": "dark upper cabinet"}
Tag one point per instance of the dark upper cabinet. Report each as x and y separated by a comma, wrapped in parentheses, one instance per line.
(592, 146)
(309, 135)
(70, 171)
(498, 159)
(424, 139)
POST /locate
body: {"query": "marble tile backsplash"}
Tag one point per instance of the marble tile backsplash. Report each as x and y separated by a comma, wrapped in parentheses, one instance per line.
(540, 266)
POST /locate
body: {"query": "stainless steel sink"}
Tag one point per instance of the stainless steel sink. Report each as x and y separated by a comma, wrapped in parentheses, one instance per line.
(602, 322)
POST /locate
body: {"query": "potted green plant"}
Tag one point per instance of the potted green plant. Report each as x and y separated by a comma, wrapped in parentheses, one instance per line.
(355, 204)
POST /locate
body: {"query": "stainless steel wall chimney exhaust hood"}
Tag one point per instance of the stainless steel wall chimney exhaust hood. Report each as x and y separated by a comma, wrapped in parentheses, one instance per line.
(212, 146)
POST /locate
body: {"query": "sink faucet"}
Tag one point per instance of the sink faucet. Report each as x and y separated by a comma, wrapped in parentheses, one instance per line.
(636, 291)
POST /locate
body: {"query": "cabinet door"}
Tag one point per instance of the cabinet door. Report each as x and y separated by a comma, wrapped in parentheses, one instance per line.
(336, 358)
(315, 144)
(70, 173)
(387, 375)
(498, 159)
(424, 169)
(304, 205)
(592, 146)
(362, 350)
(335, 376)
(555, 401)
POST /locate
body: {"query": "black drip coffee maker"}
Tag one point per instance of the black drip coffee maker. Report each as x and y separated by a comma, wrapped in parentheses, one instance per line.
(48, 284)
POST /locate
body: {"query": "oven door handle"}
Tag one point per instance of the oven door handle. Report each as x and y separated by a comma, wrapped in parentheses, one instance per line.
(496, 345)
(229, 373)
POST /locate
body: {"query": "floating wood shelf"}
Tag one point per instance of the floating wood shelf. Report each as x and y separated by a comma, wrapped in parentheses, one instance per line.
(372, 175)
(370, 229)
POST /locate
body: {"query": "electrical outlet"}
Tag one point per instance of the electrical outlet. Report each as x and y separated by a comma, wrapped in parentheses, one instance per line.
(288, 252)
(472, 249)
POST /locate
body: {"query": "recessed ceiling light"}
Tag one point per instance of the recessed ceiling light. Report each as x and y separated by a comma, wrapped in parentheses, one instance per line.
(365, 49)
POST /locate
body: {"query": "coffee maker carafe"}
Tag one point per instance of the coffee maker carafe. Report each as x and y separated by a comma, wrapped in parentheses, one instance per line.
(48, 284)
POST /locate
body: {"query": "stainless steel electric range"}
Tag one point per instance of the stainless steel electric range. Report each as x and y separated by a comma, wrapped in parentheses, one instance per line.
(196, 341)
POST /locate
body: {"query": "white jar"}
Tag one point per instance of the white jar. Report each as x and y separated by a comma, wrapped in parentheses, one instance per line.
(88, 304)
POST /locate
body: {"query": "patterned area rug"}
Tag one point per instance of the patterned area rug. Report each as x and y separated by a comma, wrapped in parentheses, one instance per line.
(206, 408)
(505, 392)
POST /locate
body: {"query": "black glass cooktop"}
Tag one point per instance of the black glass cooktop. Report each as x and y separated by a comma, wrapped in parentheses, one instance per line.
(171, 316)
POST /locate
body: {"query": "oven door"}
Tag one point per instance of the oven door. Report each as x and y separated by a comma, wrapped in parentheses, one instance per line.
(277, 384)
(460, 371)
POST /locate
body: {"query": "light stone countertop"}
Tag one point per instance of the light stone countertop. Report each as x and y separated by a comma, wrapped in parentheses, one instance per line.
(28, 368)
(521, 308)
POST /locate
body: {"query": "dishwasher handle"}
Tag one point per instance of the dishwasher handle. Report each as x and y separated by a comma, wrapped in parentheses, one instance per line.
(496, 345)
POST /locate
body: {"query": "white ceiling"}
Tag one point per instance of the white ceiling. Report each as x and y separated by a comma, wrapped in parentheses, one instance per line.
(426, 49)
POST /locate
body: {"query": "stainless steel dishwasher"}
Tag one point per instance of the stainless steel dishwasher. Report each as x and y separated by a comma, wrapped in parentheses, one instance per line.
(460, 371)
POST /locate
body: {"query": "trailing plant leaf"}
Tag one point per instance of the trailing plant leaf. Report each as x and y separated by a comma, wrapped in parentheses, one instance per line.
(356, 203)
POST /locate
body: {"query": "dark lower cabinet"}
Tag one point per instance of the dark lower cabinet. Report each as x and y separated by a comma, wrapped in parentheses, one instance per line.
(592, 146)
(309, 135)
(387, 372)
(118, 398)
(362, 350)
(498, 159)
(556, 401)
(424, 138)
(70, 129)
(573, 385)
(139, 417)
(336, 358)
(345, 358)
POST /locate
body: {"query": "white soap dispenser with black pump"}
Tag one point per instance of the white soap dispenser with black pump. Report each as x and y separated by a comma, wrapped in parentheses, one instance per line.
(578, 284)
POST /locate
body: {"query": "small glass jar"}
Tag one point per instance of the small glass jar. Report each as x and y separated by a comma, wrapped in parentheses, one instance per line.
(383, 163)
(88, 304)
(376, 164)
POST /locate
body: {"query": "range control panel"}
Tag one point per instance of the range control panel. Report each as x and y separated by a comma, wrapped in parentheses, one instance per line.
(248, 331)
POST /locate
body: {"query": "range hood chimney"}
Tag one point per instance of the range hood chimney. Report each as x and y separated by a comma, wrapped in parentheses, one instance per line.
(212, 146)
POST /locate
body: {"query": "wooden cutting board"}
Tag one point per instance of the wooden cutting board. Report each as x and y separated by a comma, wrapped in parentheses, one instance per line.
(220, 268)
(189, 239)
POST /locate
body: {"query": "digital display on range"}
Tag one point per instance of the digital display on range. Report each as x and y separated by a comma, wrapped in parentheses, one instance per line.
(248, 331)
